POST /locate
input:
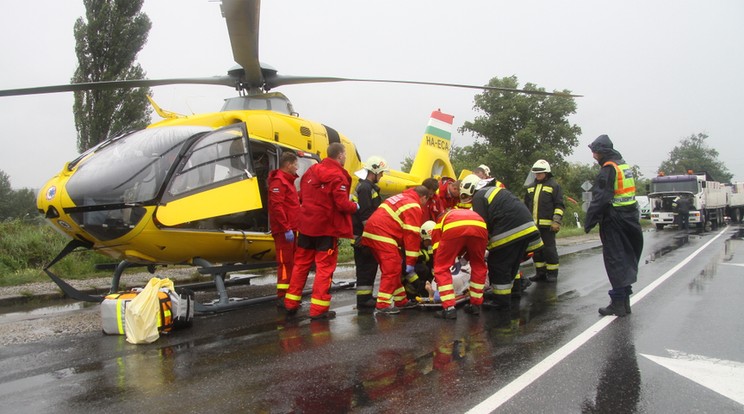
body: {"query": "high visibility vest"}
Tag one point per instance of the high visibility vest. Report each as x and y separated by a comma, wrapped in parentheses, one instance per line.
(624, 185)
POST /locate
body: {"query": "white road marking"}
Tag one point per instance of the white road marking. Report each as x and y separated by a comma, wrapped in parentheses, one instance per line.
(733, 264)
(719, 375)
(507, 392)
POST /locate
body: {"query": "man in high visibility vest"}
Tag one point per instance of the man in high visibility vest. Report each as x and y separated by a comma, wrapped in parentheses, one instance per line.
(614, 208)
(394, 228)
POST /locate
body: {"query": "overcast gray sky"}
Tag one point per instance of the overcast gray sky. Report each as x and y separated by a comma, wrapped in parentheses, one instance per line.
(651, 72)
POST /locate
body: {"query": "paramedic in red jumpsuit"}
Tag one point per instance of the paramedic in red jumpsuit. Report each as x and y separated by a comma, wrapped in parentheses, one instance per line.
(325, 216)
(393, 227)
(459, 232)
(284, 207)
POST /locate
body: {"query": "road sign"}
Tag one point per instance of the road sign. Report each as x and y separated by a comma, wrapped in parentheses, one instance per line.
(587, 185)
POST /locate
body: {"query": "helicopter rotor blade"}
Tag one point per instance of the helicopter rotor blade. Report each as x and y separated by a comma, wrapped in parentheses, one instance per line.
(131, 83)
(280, 80)
(242, 19)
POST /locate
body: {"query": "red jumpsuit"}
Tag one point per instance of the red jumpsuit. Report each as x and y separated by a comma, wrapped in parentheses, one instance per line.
(395, 225)
(284, 207)
(458, 232)
(325, 215)
(442, 200)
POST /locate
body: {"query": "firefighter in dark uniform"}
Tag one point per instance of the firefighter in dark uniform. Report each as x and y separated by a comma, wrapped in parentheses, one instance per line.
(512, 234)
(367, 195)
(544, 198)
(614, 208)
(423, 270)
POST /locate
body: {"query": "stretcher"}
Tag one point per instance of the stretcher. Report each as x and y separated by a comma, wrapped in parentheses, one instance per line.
(430, 303)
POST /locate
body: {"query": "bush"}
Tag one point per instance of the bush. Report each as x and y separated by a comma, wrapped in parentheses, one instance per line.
(27, 246)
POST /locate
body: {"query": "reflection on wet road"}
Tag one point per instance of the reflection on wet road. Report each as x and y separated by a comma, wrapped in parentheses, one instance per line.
(258, 360)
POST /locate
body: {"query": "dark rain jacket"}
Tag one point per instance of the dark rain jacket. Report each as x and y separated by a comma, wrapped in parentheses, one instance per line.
(619, 227)
(506, 216)
(367, 194)
(545, 201)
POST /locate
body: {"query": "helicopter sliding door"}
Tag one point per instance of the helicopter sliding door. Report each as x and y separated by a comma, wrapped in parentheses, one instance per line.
(215, 178)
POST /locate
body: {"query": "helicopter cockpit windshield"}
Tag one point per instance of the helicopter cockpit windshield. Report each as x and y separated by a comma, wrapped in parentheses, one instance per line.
(131, 169)
(273, 101)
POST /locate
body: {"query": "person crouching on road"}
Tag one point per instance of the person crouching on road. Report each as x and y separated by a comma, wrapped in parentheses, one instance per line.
(325, 215)
(284, 208)
(512, 233)
(615, 209)
(458, 232)
(393, 227)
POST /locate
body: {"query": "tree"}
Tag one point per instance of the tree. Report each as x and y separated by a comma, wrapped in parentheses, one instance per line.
(693, 153)
(516, 130)
(6, 195)
(15, 203)
(106, 48)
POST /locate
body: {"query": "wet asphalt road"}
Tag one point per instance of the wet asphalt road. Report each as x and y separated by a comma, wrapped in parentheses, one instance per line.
(256, 360)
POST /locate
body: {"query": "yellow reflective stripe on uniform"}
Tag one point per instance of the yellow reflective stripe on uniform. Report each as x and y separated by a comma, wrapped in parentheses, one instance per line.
(395, 214)
(363, 291)
(547, 189)
(374, 194)
(446, 287)
(477, 285)
(544, 222)
(552, 267)
(536, 201)
(534, 245)
(491, 193)
(539, 264)
(449, 296)
(435, 245)
(384, 295)
(379, 238)
(282, 285)
(412, 253)
(293, 297)
(461, 223)
(502, 289)
(512, 234)
(354, 198)
(558, 212)
(474, 294)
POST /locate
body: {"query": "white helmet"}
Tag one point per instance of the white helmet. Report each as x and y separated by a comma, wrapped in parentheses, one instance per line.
(468, 185)
(376, 165)
(426, 229)
(541, 166)
(485, 169)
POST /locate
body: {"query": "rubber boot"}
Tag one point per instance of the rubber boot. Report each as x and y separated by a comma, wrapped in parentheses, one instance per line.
(540, 275)
(627, 304)
(552, 276)
(366, 302)
(499, 303)
(616, 307)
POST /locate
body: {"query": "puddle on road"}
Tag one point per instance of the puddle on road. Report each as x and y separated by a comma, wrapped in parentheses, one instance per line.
(678, 241)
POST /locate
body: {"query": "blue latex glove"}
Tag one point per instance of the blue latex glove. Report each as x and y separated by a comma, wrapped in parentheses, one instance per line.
(289, 235)
(409, 269)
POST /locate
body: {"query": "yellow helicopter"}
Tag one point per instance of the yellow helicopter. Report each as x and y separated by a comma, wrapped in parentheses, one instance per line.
(193, 189)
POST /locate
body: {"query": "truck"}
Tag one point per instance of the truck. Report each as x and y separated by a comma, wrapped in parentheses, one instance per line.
(708, 199)
(735, 201)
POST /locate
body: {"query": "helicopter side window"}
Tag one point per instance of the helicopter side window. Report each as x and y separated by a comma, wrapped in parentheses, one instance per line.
(304, 162)
(218, 158)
